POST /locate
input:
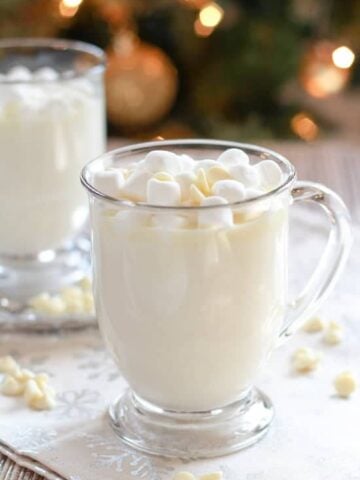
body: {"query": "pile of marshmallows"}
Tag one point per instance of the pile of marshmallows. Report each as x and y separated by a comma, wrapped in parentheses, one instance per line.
(38, 91)
(163, 178)
(35, 388)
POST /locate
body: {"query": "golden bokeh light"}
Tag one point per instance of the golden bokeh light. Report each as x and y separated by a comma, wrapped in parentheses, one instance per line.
(343, 57)
(304, 126)
(69, 8)
(201, 30)
(211, 15)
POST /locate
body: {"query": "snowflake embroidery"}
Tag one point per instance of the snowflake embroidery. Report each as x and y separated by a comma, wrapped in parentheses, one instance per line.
(111, 453)
(98, 364)
(78, 403)
(32, 439)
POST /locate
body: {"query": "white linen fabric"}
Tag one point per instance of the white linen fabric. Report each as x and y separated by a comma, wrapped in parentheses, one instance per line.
(315, 434)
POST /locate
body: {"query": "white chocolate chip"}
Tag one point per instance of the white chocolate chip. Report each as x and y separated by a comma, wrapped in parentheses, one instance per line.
(333, 334)
(313, 325)
(233, 156)
(24, 375)
(211, 476)
(345, 384)
(45, 402)
(202, 182)
(231, 190)
(216, 173)
(32, 391)
(164, 177)
(184, 476)
(41, 380)
(8, 364)
(85, 284)
(305, 360)
(10, 386)
(196, 196)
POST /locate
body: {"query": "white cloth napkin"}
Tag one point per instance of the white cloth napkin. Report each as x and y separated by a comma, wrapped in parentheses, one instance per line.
(315, 434)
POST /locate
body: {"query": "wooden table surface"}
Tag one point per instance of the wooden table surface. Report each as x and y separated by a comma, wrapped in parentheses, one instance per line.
(335, 164)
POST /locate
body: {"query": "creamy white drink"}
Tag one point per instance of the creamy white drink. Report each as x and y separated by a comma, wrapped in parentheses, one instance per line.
(49, 128)
(190, 301)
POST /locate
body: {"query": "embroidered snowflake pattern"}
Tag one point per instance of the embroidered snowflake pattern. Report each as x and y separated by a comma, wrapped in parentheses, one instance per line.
(97, 363)
(32, 439)
(78, 403)
(110, 453)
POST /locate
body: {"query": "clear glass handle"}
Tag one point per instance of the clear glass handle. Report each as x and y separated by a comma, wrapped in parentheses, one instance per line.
(331, 261)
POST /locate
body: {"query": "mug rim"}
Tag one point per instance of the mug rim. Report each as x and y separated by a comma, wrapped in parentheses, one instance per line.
(247, 147)
(55, 44)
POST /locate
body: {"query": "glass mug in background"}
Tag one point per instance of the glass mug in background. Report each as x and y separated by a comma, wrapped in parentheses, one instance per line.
(52, 121)
(191, 314)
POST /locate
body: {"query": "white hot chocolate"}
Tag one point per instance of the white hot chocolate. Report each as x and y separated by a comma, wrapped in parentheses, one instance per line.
(190, 301)
(48, 130)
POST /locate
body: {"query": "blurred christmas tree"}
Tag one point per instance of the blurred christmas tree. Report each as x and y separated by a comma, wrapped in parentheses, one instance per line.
(200, 67)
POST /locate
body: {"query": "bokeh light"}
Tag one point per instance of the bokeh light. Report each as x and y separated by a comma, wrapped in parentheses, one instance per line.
(343, 57)
(211, 15)
(304, 127)
(69, 8)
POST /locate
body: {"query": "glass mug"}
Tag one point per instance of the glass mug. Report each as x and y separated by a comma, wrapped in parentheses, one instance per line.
(52, 121)
(191, 314)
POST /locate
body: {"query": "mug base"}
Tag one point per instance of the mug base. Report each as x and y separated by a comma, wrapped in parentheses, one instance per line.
(21, 278)
(153, 430)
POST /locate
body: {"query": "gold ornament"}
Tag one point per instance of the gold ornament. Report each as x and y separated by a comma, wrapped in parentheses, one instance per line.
(319, 75)
(141, 83)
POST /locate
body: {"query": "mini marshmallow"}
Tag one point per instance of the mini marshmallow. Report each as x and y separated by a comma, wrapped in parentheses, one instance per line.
(46, 74)
(135, 186)
(232, 157)
(109, 182)
(19, 74)
(185, 180)
(8, 365)
(11, 387)
(162, 161)
(245, 174)
(231, 190)
(345, 384)
(163, 193)
(168, 220)
(305, 359)
(202, 183)
(270, 173)
(216, 173)
(218, 217)
(184, 476)
(187, 163)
